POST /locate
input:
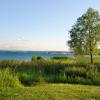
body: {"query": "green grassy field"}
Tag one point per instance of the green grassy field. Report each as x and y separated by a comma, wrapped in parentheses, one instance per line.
(41, 79)
(52, 92)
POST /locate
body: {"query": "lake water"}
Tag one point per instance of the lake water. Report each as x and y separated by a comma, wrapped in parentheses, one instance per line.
(27, 55)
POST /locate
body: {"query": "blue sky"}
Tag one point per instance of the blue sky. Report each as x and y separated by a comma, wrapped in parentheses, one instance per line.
(39, 24)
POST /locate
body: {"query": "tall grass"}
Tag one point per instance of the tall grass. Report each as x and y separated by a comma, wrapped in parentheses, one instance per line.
(29, 73)
(8, 79)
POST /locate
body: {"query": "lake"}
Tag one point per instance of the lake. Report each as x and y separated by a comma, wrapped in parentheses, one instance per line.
(27, 55)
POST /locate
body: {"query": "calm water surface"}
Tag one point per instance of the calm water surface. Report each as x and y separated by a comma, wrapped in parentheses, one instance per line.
(27, 55)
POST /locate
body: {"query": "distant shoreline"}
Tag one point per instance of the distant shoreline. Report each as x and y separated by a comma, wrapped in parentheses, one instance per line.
(27, 55)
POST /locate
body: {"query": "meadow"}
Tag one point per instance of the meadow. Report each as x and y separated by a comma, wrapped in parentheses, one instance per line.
(52, 79)
(52, 92)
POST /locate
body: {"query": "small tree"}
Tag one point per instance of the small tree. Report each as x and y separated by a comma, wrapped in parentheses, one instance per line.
(85, 34)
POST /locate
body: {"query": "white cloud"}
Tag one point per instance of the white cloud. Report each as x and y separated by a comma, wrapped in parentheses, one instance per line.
(19, 44)
(22, 43)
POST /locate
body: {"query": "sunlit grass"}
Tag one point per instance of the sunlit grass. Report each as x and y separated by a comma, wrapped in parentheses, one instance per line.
(8, 79)
(52, 92)
(31, 80)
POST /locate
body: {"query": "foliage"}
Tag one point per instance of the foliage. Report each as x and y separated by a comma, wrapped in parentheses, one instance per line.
(59, 58)
(37, 58)
(85, 34)
(8, 79)
(50, 71)
(28, 79)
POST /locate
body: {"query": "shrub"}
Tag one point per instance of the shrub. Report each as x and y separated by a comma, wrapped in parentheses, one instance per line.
(91, 71)
(55, 78)
(28, 79)
(36, 58)
(60, 58)
(73, 72)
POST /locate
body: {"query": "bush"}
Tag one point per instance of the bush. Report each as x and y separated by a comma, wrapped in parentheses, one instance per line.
(36, 58)
(91, 71)
(55, 78)
(28, 79)
(60, 58)
(73, 72)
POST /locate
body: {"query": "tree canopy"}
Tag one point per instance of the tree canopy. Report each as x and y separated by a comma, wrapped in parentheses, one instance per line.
(85, 33)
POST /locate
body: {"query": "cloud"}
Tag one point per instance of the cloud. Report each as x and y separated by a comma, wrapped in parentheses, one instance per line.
(22, 43)
(22, 39)
(18, 44)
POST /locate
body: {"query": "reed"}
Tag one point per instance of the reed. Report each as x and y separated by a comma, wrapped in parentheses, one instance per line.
(36, 71)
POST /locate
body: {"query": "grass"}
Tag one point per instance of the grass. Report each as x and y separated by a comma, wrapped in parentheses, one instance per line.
(53, 70)
(52, 92)
(82, 59)
(41, 79)
(7, 79)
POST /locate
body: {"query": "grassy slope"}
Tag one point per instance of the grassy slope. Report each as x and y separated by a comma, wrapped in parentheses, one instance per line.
(52, 92)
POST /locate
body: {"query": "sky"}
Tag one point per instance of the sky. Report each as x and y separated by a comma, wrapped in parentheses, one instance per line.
(41, 25)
